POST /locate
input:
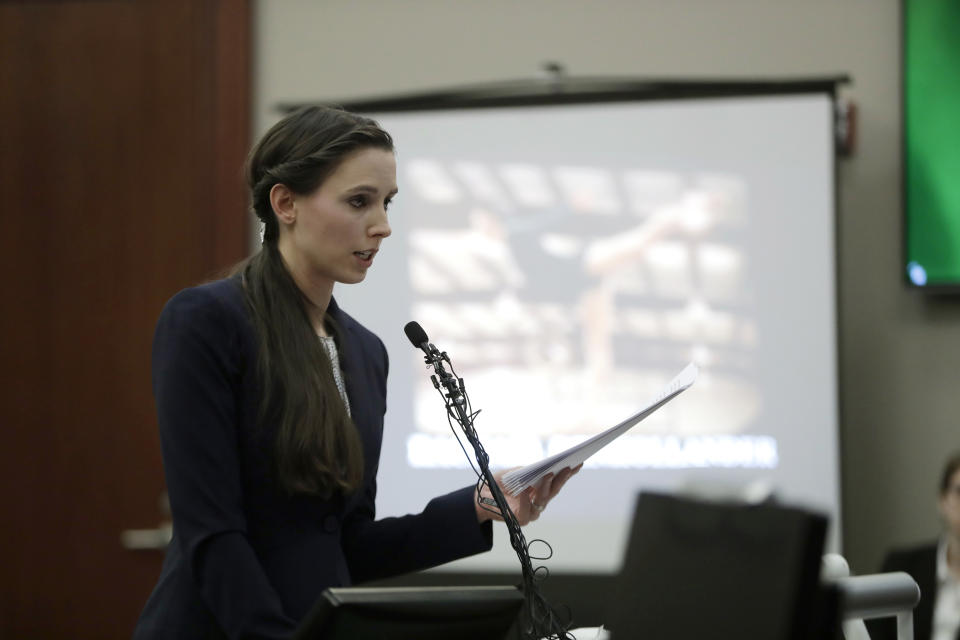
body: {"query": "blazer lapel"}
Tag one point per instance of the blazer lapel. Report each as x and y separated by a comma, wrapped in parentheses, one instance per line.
(355, 376)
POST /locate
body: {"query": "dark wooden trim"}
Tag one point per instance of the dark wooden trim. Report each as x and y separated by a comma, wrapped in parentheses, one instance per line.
(232, 77)
(523, 93)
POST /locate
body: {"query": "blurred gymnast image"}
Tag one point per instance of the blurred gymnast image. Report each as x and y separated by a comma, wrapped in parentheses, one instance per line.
(271, 399)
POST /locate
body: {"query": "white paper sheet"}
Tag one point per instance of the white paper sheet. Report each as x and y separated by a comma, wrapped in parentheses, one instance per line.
(517, 480)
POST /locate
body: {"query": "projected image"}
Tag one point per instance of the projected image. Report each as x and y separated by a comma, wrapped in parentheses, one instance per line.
(569, 295)
(572, 260)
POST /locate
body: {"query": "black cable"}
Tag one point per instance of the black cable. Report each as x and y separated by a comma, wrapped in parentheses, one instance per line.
(541, 621)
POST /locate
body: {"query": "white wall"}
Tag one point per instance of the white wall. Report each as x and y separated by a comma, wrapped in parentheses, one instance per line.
(897, 348)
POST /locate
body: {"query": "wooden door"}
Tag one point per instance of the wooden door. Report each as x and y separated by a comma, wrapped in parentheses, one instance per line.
(123, 128)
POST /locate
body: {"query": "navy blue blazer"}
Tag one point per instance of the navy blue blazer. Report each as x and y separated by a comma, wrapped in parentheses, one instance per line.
(246, 559)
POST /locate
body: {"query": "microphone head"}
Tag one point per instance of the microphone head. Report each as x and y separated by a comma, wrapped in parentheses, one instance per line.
(415, 333)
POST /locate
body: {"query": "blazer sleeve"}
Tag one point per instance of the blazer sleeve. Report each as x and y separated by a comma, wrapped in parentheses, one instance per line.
(446, 530)
(196, 371)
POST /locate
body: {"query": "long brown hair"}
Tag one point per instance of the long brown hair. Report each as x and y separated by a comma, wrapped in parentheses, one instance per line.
(950, 467)
(318, 449)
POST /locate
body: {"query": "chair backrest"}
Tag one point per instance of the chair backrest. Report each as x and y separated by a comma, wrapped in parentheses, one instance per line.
(696, 569)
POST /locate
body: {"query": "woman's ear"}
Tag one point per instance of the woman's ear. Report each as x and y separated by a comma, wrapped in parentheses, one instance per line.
(283, 201)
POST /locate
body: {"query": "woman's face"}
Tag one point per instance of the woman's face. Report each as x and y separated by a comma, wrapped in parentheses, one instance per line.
(950, 505)
(335, 231)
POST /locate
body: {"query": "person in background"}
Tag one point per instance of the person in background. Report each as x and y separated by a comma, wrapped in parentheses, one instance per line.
(936, 569)
(271, 400)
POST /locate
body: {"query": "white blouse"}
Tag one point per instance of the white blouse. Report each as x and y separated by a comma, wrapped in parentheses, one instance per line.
(946, 607)
(330, 346)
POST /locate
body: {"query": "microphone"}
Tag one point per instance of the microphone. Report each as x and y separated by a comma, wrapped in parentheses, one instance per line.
(417, 336)
(539, 620)
(434, 358)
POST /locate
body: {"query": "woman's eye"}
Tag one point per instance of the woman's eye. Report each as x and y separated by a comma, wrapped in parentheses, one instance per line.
(386, 204)
(358, 202)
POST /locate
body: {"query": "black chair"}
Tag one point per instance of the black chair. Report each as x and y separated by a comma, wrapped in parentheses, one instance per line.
(695, 570)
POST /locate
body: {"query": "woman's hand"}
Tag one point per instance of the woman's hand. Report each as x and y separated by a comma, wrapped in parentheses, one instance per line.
(528, 504)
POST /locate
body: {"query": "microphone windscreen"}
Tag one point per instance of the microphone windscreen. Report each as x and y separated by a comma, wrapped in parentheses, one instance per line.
(415, 333)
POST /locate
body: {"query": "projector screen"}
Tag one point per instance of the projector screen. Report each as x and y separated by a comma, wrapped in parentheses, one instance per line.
(571, 260)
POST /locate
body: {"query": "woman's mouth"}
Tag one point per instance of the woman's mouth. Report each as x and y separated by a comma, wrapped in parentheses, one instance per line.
(365, 258)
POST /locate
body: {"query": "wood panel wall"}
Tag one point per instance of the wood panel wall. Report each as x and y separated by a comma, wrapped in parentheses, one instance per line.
(123, 129)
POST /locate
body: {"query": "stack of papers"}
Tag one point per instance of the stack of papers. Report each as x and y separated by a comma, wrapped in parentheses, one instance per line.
(517, 480)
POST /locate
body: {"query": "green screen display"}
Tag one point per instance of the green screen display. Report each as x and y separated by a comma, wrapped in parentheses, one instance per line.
(932, 141)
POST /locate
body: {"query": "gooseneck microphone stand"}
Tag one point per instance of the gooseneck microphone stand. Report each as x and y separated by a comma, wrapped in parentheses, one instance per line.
(540, 620)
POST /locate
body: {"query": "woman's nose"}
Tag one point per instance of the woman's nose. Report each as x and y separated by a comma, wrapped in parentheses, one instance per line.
(380, 227)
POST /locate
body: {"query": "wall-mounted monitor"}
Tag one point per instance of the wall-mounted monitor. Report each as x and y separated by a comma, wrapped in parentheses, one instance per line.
(931, 143)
